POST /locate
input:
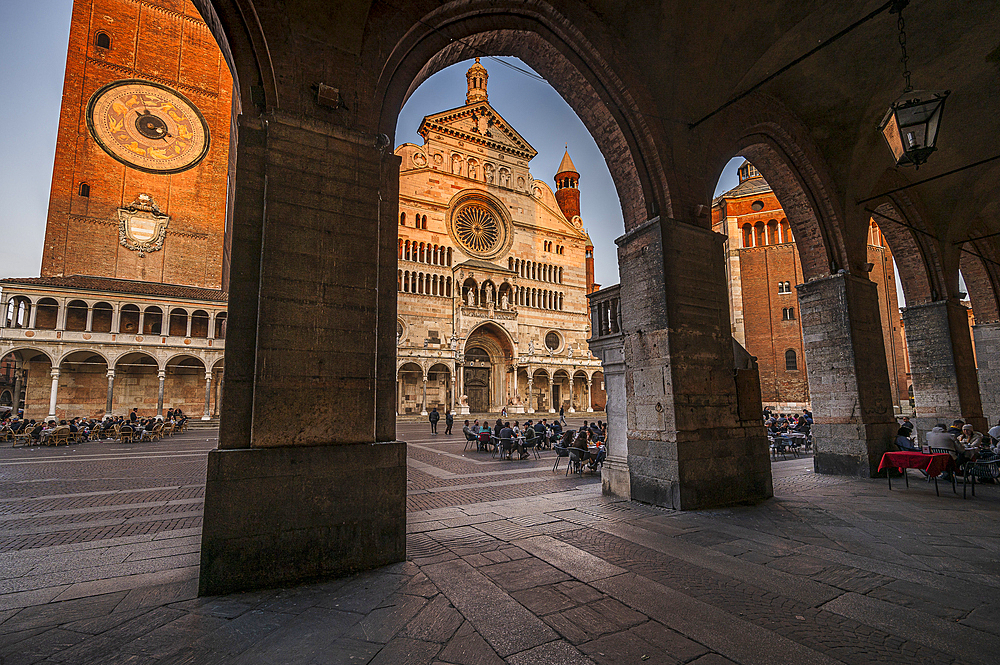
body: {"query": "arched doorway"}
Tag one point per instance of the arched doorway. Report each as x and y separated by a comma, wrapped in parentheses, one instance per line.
(478, 370)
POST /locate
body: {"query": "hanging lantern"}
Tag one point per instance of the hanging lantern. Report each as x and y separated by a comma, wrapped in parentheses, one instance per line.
(910, 127)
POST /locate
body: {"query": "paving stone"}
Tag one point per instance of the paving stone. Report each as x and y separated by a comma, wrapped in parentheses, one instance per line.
(550, 654)
(40, 646)
(346, 650)
(712, 659)
(468, 647)
(505, 624)
(626, 647)
(170, 638)
(299, 639)
(569, 628)
(241, 633)
(985, 618)
(97, 625)
(580, 564)
(436, 622)
(219, 606)
(524, 574)
(480, 560)
(580, 592)
(51, 614)
(381, 624)
(544, 600)
(669, 641)
(108, 645)
(363, 593)
(617, 614)
(406, 650)
(163, 594)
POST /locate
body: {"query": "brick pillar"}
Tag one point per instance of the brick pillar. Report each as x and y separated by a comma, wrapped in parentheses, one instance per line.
(615, 479)
(942, 367)
(687, 447)
(310, 483)
(987, 339)
(848, 375)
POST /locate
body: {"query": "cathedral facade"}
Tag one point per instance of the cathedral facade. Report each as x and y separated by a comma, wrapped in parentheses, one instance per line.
(494, 272)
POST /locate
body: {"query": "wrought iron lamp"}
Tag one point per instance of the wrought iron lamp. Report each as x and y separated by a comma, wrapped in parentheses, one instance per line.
(910, 126)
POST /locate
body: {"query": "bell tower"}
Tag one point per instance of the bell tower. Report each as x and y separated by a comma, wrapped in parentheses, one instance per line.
(567, 187)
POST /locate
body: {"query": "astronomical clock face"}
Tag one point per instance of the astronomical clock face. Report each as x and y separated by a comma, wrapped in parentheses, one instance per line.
(148, 126)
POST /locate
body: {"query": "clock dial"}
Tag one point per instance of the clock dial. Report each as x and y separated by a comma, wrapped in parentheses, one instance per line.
(148, 126)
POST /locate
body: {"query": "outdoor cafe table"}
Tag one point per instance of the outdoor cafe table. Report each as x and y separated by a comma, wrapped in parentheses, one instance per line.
(934, 464)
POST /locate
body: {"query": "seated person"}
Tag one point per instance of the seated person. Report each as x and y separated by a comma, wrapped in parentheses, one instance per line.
(903, 441)
(970, 439)
(580, 444)
(940, 439)
(485, 434)
(567, 439)
(515, 444)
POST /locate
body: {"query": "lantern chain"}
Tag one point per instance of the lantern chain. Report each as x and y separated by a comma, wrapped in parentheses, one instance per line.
(901, 25)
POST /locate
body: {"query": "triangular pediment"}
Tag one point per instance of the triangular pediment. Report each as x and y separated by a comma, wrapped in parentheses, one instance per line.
(480, 124)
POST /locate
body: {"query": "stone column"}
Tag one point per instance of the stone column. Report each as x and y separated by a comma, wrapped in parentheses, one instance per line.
(552, 402)
(15, 403)
(32, 316)
(531, 383)
(208, 396)
(53, 392)
(116, 317)
(211, 325)
(451, 386)
(162, 376)
(688, 444)
(590, 394)
(61, 315)
(188, 325)
(423, 403)
(615, 478)
(142, 320)
(942, 366)
(848, 374)
(987, 341)
(309, 481)
(109, 404)
(90, 318)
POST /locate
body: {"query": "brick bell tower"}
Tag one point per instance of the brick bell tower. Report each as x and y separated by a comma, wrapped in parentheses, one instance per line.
(139, 179)
(568, 197)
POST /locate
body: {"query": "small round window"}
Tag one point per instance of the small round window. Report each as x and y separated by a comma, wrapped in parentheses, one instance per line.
(552, 341)
(757, 206)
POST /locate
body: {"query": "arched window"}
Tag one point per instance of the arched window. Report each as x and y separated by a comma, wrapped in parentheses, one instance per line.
(788, 314)
(791, 361)
(788, 287)
(747, 235)
(400, 248)
(758, 235)
(102, 40)
(423, 222)
(772, 232)
(402, 219)
(449, 257)
(84, 190)
(786, 231)
(781, 287)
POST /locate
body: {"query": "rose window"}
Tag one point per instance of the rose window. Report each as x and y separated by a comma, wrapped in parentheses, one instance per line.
(477, 229)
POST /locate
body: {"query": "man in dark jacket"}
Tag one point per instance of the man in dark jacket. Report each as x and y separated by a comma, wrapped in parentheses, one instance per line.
(434, 417)
(449, 420)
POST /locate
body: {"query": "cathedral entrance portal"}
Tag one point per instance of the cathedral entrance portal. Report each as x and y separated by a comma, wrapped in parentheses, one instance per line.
(477, 380)
(487, 353)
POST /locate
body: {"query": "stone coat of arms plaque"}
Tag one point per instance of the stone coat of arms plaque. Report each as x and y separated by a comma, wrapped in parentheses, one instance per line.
(142, 225)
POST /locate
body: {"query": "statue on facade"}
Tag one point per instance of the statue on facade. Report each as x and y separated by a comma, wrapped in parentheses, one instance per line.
(569, 352)
(464, 400)
(503, 301)
(470, 296)
(489, 293)
(531, 347)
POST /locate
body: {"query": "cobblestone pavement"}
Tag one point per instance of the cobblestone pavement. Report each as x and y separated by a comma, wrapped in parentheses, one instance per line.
(507, 561)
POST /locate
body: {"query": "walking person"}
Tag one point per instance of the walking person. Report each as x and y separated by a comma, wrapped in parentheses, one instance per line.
(449, 420)
(434, 417)
(562, 416)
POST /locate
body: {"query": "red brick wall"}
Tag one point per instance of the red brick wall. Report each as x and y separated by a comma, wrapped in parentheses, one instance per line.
(164, 41)
(768, 335)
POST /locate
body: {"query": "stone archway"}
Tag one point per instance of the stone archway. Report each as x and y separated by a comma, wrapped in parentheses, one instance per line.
(489, 351)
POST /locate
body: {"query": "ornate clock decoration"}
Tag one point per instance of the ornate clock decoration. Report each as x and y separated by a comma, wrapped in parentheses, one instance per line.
(148, 126)
(142, 225)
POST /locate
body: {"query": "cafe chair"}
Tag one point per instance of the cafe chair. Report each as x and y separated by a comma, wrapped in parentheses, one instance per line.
(986, 467)
(561, 451)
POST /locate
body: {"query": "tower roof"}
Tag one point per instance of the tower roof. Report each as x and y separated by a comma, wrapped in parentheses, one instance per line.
(476, 77)
(566, 165)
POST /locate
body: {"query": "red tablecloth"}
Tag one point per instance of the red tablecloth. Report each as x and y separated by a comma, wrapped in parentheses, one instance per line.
(933, 464)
